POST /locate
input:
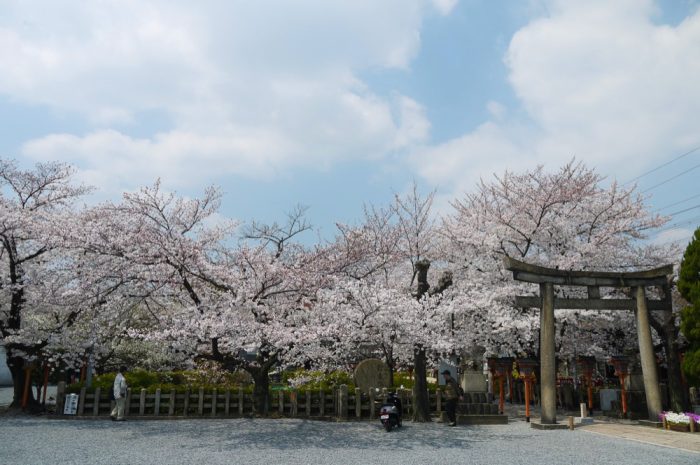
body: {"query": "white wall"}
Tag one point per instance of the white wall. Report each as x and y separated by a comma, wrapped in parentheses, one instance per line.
(5, 376)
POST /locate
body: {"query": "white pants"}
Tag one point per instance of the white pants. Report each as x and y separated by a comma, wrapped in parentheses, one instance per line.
(118, 410)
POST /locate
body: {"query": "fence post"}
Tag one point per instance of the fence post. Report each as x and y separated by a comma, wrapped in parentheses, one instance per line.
(213, 403)
(142, 402)
(127, 403)
(343, 402)
(322, 402)
(60, 397)
(280, 397)
(371, 403)
(200, 404)
(227, 403)
(295, 402)
(156, 404)
(308, 403)
(240, 401)
(81, 401)
(438, 401)
(96, 403)
(186, 407)
(171, 406)
(358, 403)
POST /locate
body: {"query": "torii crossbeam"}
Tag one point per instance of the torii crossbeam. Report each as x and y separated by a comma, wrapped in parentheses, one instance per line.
(547, 278)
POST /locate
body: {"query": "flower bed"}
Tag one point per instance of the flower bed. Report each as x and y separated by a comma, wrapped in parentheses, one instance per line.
(683, 422)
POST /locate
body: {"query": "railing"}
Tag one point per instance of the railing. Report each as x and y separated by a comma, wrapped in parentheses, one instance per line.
(341, 403)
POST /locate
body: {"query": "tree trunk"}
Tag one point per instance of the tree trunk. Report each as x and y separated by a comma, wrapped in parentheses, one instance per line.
(668, 333)
(421, 403)
(261, 390)
(17, 366)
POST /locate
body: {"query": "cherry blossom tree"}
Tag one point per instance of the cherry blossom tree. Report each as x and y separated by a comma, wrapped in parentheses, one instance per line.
(566, 219)
(34, 205)
(382, 298)
(241, 304)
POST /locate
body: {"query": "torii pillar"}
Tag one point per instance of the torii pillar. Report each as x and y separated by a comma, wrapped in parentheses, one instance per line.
(548, 367)
(646, 353)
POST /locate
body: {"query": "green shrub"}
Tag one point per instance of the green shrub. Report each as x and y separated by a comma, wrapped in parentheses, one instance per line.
(302, 379)
(180, 381)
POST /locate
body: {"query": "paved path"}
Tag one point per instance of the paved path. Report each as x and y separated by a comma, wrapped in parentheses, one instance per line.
(647, 435)
(38, 440)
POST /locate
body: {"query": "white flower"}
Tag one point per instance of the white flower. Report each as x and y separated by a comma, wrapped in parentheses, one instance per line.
(673, 417)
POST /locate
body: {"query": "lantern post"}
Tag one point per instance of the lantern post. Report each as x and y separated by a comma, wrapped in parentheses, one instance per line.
(527, 370)
(586, 365)
(502, 366)
(496, 369)
(621, 364)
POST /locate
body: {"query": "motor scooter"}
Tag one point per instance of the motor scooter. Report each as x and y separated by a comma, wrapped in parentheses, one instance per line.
(390, 412)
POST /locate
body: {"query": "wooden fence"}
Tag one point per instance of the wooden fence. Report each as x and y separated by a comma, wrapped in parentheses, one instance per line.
(341, 403)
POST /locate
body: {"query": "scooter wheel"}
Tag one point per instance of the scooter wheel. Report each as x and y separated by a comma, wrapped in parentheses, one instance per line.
(387, 426)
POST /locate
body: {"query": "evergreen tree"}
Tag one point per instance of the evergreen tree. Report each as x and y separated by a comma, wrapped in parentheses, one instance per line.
(689, 287)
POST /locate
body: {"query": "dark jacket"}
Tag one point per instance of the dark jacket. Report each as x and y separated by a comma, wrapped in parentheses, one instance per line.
(452, 389)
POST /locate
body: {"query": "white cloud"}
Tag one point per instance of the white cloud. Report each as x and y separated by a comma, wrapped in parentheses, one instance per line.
(113, 160)
(445, 7)
(247, 88)
(597, 80)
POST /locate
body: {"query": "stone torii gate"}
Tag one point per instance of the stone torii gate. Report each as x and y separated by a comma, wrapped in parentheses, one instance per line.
(547, 278)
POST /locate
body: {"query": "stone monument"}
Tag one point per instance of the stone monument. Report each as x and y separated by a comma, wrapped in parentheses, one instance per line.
(372, 373)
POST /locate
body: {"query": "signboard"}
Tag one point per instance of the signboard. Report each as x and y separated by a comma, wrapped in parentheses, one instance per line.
(71, 405)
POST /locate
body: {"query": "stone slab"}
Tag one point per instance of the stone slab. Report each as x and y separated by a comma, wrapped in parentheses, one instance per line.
(653, 424)
(536, 424)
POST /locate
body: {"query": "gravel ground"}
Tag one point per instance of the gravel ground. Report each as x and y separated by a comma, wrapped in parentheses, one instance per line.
(38, 441)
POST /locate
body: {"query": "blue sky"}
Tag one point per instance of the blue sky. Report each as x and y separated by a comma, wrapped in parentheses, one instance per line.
(333, 104)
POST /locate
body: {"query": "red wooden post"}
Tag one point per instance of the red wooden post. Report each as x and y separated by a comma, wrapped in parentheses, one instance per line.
(527, 399)
(623, 394)
(621, 364)
(527, 369)
(502, 394)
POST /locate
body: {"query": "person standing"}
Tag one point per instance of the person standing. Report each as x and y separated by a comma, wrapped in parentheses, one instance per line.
(119, 391)
(453, 393)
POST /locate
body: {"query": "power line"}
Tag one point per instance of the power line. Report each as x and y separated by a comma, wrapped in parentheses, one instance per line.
(661, 166)
(673, 241)
(671, 178)
(677, 203)
(679, 224)
(683, 211)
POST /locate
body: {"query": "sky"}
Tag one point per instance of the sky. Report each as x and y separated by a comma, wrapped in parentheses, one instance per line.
(335, 104)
